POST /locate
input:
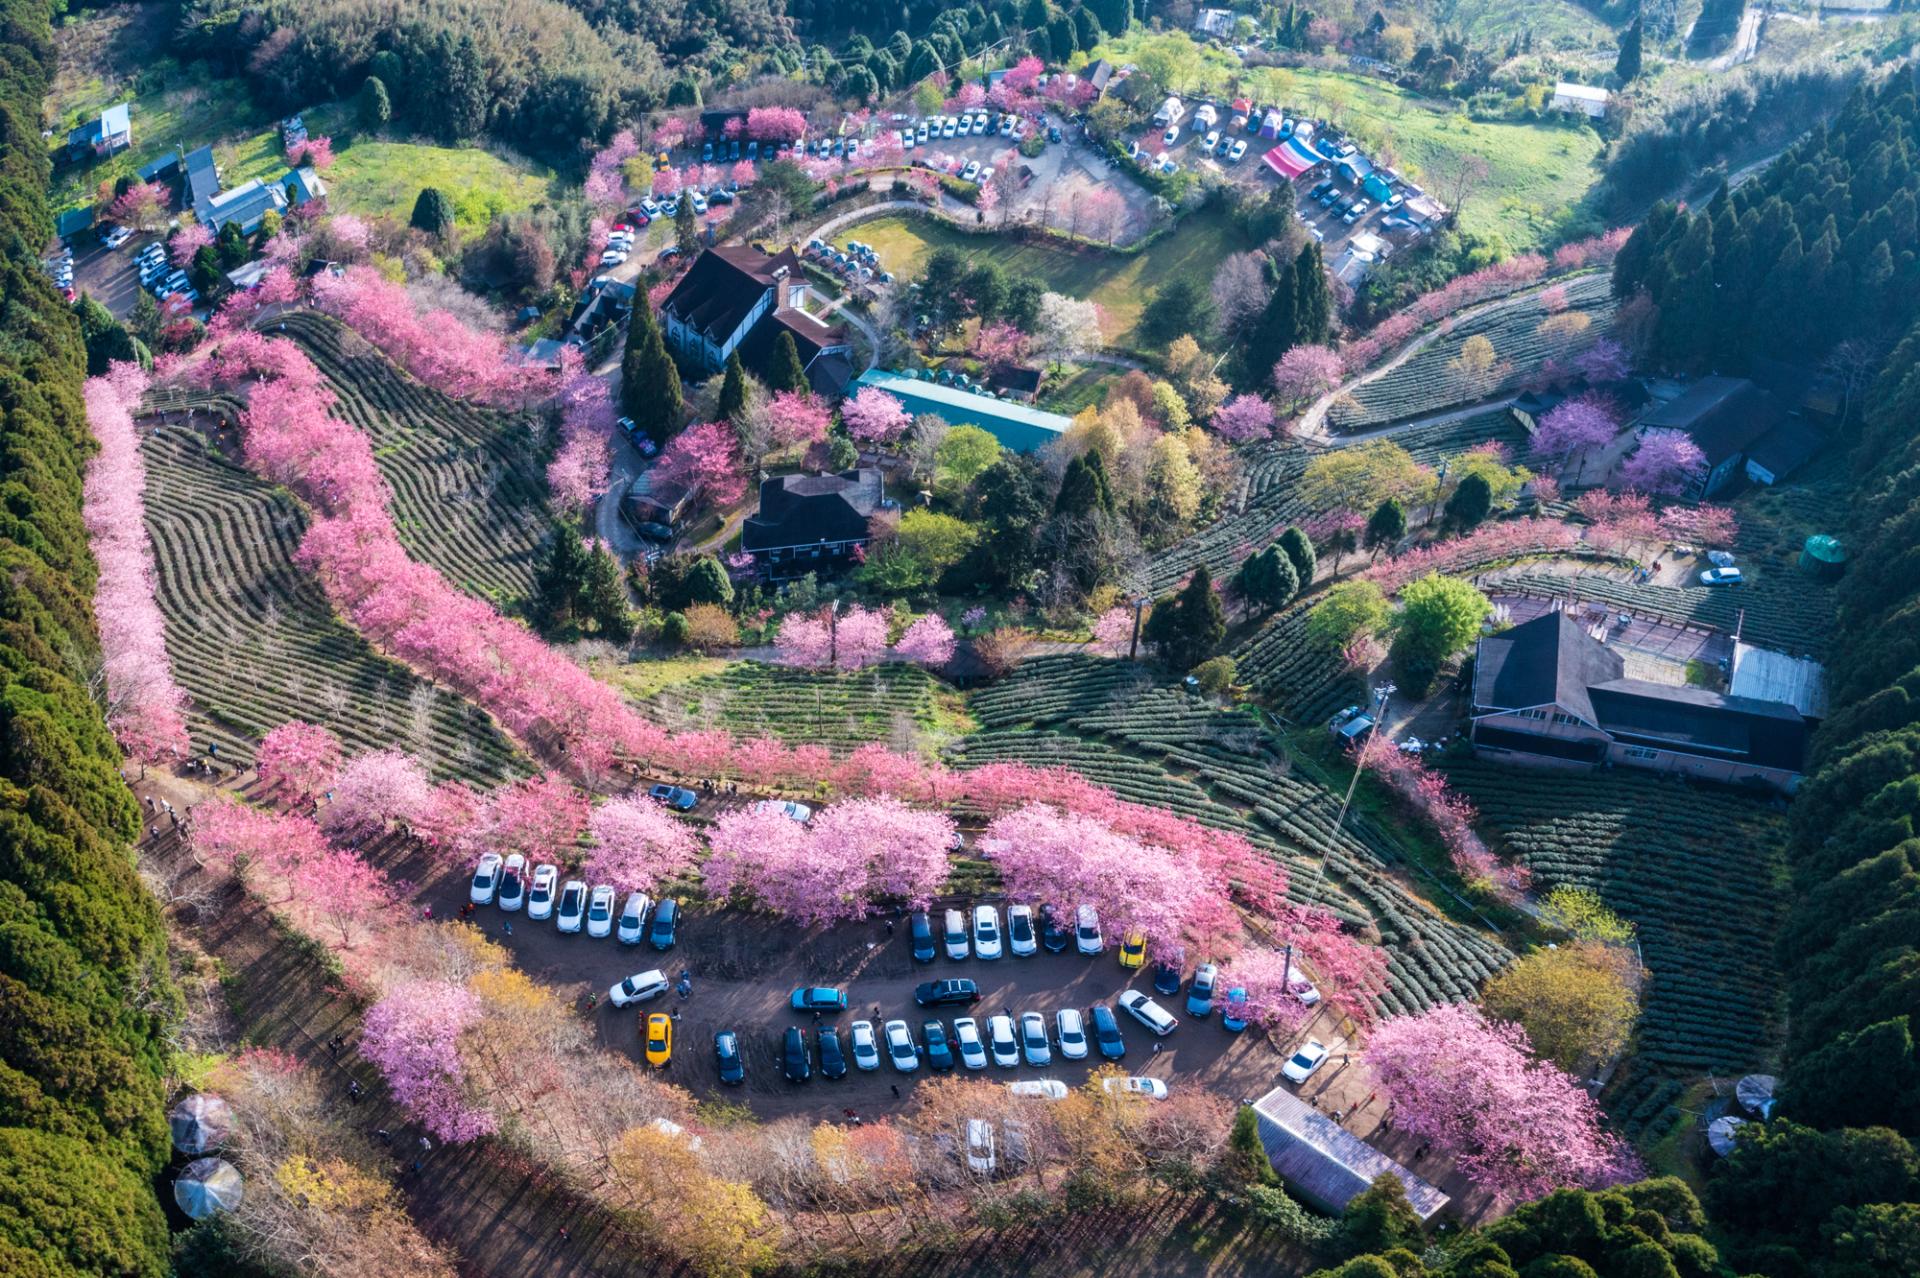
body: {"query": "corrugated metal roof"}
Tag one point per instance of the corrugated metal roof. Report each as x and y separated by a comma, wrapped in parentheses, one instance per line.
(1016, 426)
(1323, 1163)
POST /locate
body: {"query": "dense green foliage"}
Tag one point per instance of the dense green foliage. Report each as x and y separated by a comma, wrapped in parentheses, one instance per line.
(83, 965)
(649, 380)
(1189, 625)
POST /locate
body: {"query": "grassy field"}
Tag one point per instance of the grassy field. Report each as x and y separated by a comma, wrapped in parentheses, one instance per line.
(1122, 285)
(1554, 23)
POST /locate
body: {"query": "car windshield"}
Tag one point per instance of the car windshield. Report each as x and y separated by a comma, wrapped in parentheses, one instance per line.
(600, 910)
(1070, 1033)
(1303, 1059)
(482, 878)
(1022, 929)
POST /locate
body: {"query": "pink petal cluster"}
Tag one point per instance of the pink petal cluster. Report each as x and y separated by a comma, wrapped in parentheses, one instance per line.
(832, 867)
(437, 347)
(797, 418)
(225, 831)
(412, 1036)
(1489, 543)
(874, 417)
(1598, 250)
(637, 845)
(376, 793)
(776, 124)
(579, 471)
(1306, 373)
(1450, 813)
(1518, 1127)
(1620, 522)
(187, 241)
(144, 705)
(540, 817)
(606, 185)
(1243, 419)
(1706, 526)
(705, 456)
(1573, 426)
(999, 344)
(297, 761)
(315, 152)
(1664, 464)
(848, 640)
(929, 641)
(1113, 630)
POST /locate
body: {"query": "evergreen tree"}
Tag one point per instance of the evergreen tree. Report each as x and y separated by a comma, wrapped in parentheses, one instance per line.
(787, 373)
(1313, 307)
(603, 595)
(649, 382)
(1189, 626)
(464, 94)
(1298, 548)
(1086, 28)
(144, 320)
(373, 107)
(733, 390)
(1627, 66)
(1115, 16)
(686, 230)
(1245, 1163)
(1381, 1219)
(1471, 501)
(1267, 580)
(432, 212)
(560, 581)
(1084, 488)
(1387, 525)
(1273, 333)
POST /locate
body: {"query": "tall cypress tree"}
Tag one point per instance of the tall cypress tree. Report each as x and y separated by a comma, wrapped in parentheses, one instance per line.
(1295, 545)
(649, 383)
(557, 586)
(1084, 488)
(1627, 65)
(1313, 305)
(733, 391)
(603, 595)
(1273, 332)
(787, 372)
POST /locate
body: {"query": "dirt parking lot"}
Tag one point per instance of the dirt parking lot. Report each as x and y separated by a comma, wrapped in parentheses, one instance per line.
(107, 275)
(746, 965)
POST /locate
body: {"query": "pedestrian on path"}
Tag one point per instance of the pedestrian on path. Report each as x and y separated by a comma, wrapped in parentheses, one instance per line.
(353, 1091)
(508, 926)
(896, 1090)
(386, 1137)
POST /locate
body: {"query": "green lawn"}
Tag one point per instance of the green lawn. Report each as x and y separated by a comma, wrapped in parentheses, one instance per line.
(1554, 23)
(1121, 284)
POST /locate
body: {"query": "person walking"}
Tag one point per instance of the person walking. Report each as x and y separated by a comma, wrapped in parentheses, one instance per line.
(507, 925)
(896, 1090)
(889, 929)
(386, 1137)
(354, 1092)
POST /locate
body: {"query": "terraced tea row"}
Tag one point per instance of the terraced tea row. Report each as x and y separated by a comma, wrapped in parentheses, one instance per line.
(469, 485)
(1302, 680)
(253, 640)
(1524, 334)
(895, 703)
(1699, 871)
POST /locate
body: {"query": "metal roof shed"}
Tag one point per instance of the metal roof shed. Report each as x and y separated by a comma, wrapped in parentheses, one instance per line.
(1016, 426)
(1326, 1165)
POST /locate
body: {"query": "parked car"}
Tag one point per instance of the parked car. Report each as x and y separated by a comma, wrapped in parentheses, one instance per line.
(1086, 932)
(486, 879)
(796, 1064)
(980, 1156)
(833, 1061)
(679, 798)
(1039, 1089)
(946, 993)
(1133, 950)
(633, 918)
(986, 932)
(921, 927)
(1106, 1033)
(600, 911)
(1020, 939)
(659, 1040)
(540, 895)
(1054, 937)
(939, 1052)
(1171, 136)
(573, 906)
(956, 934)
(1166, 979)
(1071, 1033)
(1210, 143)
(1033, 1039)
(116, 236)
(900, 1048)
(971, 171)
(1151, 1088)
(1300, 1066)
(966, 1041)
(1237, 151)
(665, 931)
(726, 1055)
(638, 988)
(1300, 987)
(786, 808)
(1357, 212)
(1200, 994)
(1002, 1042)
(818, 998)
(1147, 1012)
(1233, 1014)
(866, 1049)
(513, 883)
(1721, 577)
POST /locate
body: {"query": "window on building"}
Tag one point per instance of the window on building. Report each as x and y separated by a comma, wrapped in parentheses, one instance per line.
(1567, 719)
(1533, 714)
(1641, 752)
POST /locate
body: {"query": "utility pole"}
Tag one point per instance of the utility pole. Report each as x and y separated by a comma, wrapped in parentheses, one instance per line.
(1380, 695)
(1133, 648)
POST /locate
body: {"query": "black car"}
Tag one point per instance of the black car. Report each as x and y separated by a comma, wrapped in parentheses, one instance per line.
(798, 1067)
(1166, 978)
(924, 948)
(726, 1054)
(1054, 937)
(665, 929)
(954, 989)
(939, 1053)
(833, 1062)
(1106, 1033)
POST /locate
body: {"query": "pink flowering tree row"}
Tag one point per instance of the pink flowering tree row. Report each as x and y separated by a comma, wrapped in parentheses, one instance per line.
(289, 859)
(1489, 543)
(606, 186)
(412, 1036)
(637, 845)
(144, 705)
(776, 124)
(834, 866)
(1450, 813)
(857, 637)
(297, 762)
(580, 469)
(1516, 1126)
(438, 348)
(1309, 951)
(1456, 294)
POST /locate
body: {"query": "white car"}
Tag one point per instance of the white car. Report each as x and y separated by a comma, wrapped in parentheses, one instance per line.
(513, 883)
(1301, 988)
(116, 237)
(786, 808)
(1300, 1066)
(1168, 166)
(986, 175)
(1171, 136)
(900, 1048)
(612, 257)
(1151, 1088)
(540, 896)
(966, 1041)
(1040, 1088)
(1148, 1012)
(966, 126)
(1086, 932)
(600, 912)
(1033, 1039)
(980, 1159)
(980, 121)
(955, 936)
(1072, 1033)
(971, 172)
(920, 134)
(633, 919)
(699, 202)
(486, 879)
(1002, 1043)
(1211, 142)
(950, 129)
(986, 932)
(573, 904)
(1020, 934)
(638, 988)
(1237, 152)
(1728, 576)
(866, 1048)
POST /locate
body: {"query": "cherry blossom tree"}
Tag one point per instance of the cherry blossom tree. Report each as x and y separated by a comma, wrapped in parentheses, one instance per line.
(437, 347)
(375, 793)
(1699, 525)
(929, 641)
(412, 1036)
(874, 417)
(776, 124)
(1621, 522)
(541, 816)
(999, 344)
(1023, 75)
(804, 639)
(144, 705)
(228, 834)
(1273, 981)
(1113, 631)
(298, 761)
(762, 853)
(705, 456)
(860, 638)
(1306, 373)
(143, 206)
(315, 153)
(903, 850)
(637, 844)
(846, 641)
(581, 467)
(1575, 427)
(795, 418)
(1666, 462)
(1243, 419)
(1603, 362)
(741, 172)
(1517, 1127)
(187, 241)
(345, 892)
(606, 185)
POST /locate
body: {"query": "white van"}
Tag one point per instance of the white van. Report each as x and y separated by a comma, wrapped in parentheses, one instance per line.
(956, 937)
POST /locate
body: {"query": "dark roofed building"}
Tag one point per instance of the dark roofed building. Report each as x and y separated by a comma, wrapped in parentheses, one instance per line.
(1783, 450)
(1549, 692)
(106, 133)
(1099, 75)
(737, 298)
(1022, 384)
(203, 180)
(1325, 1165)
(165, 169)
(1725, 416)
(812, 523)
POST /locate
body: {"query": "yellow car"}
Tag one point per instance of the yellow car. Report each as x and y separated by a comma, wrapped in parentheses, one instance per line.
(659, 1039)
(1133, 950)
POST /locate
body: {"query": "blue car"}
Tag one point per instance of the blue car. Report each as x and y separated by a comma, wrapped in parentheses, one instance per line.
(665, 929)
(1106, 1033)
(939, 1054)
(1166, 978)
(726, 1054)
(676, 797)
(1233, 1017)
(1200, 997)
(818, 998)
